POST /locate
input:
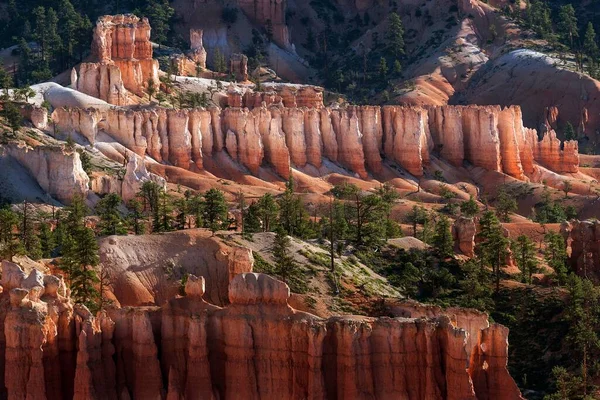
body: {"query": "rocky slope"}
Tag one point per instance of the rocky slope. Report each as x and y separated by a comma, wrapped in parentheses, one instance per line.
(257, 347)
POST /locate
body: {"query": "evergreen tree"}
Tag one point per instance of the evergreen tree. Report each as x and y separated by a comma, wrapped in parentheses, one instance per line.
(555, 254)
(252, 219)
(570, 132)
(524, 251)
(505, 204)
(12, 116)
(160, 13)
(293, 217)
(136, 216)
(492, 248)
(469, 208)
(6, 81)
(111, 221)
(76, 213)
(582, 315)
(443, 244)
(364, 212)
(182, 211)
(27, 234)
(151, 88)
(395, 35)
(417, 216)
(163, 216)
(389, 196)
(590, 46)
(9, 244)
(567, 24)
(46, 238)
(383, 68)
(284, 262)
(215, 210)
(196, 209)
(80, 258)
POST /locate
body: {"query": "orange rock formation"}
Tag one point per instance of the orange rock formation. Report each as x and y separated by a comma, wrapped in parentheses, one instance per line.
(123, 62)
(358, 138)
(257, 347)
(58, 171)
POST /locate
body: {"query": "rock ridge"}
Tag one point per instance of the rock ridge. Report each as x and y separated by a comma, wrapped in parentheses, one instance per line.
(358, 138)
(257, 347)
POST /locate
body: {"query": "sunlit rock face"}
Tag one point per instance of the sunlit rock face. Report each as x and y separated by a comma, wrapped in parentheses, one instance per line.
(122, 60)
(254, 348)
(357, 138)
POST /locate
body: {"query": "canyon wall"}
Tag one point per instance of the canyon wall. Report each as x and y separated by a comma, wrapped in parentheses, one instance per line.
(272, 13)
(357, 138)
(257, 347)
(58, 171)
(122, 61)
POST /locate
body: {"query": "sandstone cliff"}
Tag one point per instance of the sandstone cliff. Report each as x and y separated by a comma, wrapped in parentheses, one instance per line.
(58, 171)
(122, 60)
(357, 138)
(257, 347)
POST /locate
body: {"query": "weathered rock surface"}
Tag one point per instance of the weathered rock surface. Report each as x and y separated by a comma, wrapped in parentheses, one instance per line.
(358, 138)
(58, 171)
(147, 269)
(238, 67)
(272, 13)
(122, 60)
(257, 347)
(583, 238)
(464, 231)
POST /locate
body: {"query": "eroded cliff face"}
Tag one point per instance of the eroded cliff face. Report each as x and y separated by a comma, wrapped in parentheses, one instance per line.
(122, 60)
(58, 171)
(358, 138)
(257, 347)
(583, 239)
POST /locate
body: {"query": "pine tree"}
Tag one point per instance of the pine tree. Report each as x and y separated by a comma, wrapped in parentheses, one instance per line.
(417, 216)
(567, 24)
(590, 46)
(196, 209)
(505, 204)
(492, 248)
(160, 13)
(570, 132)
(443, 244)
(383, 68)
(76, 213)
(150, 89)
(136, 216)
(28, 237)
(395, 35)
(284, 263)
(46, 238)
(582, 315)
(111, 221)
(293, 217)
(267, 211)
(555, 254)
(469, 208)
(12, 116)
(252, 219)
(6, 81)
(9, 244)
(215, 210)
(162, 217)
(84, 277)
(524, 251)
